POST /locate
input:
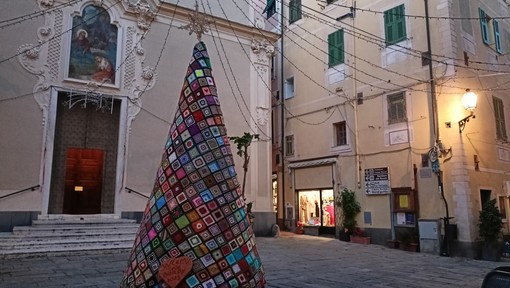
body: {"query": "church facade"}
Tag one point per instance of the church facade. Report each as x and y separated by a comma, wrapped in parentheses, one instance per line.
(89, 89)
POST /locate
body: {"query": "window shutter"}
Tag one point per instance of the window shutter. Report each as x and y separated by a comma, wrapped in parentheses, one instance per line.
(331, 49)
(400, 21)
(500, 118)
(497, 36)
(298, 10)
(336, 48)
(292, 11)
(388, 27)
(340, 45)
(483, 26)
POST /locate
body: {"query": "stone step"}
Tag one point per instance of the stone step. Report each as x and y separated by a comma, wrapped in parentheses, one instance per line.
(68, 241)
(79, 216)
(5, 237)
(54, 234)
(60, 229)
(101, 248)
(79, 221)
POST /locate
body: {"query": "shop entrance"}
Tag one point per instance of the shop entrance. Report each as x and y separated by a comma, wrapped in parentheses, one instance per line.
(317, 209)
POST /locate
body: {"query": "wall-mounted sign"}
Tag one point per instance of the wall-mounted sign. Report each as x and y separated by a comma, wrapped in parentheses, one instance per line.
(377, 181)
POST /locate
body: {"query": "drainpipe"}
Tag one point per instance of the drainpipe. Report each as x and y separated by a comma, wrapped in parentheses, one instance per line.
(446, 219)
(282, 116)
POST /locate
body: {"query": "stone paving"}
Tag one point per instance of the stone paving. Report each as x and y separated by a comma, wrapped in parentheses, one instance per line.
(289, 261)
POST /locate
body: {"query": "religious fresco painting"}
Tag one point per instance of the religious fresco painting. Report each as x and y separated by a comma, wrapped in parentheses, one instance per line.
(93, 47)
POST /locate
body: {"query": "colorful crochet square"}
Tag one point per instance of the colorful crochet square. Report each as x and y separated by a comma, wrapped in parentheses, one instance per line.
(195, 209)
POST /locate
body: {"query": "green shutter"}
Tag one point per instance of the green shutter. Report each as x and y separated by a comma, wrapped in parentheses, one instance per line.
(395, 25)
(497, 36)
(388, 27)
(298, 5)
(270, 8)
(400, 21)
(294, 10)
(336, 48)
(483, 26)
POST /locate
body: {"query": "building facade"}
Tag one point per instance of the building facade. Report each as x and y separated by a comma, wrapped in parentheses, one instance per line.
(372, 96)
(90, 88)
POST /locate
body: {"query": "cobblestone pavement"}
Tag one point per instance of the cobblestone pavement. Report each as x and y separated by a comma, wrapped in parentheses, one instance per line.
(289, 261)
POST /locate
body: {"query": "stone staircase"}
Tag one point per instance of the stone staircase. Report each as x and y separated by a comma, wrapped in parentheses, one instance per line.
(64, 234)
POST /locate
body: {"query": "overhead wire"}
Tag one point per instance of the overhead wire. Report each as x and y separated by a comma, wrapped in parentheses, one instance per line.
(59, 35)
(260, 32)
(20, 19)
(418, 53)
(409, 15)
(233, 77)
(347, 31)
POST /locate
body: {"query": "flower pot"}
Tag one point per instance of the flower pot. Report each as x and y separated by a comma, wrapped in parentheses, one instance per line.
(360, 239)
(411, 247)
(392, 244)
(491, 252)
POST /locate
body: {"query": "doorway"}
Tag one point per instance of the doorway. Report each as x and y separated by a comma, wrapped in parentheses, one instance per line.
(84, 166)
(83, 181)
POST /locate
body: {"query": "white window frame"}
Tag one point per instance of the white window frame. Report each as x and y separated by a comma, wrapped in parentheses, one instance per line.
(290, 88)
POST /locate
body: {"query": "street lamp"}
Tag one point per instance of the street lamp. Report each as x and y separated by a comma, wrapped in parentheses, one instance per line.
(469, 102)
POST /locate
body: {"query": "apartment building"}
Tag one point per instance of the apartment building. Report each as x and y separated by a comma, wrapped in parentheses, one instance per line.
(373, 103)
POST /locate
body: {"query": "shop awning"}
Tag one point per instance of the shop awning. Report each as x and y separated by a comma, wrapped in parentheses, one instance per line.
(312, 163)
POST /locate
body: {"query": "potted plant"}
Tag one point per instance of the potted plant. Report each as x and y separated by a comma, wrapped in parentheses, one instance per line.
(408, 239)
(358, 236)
(490, 224)
(350, 208)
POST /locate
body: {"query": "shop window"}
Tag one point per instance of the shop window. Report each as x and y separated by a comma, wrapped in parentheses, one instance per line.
(490, 31)
(289, 145)
(295, 12)
(316, 208)
(340, 133)
(336, 48)
(397, 108)
(395, 25)
(499, 114)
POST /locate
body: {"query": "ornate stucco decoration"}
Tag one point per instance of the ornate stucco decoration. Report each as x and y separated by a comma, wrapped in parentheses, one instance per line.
(198, 23)
(28, 57)
(263, 49)
(144, 13)
(46, 3)
(262, 115)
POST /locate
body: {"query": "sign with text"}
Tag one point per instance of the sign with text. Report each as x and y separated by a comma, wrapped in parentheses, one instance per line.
(377, 181)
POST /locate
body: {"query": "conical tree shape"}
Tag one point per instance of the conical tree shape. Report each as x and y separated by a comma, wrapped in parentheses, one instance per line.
(195, 210)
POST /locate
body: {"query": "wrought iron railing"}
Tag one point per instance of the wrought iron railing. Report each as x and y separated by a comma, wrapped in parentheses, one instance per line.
(129, 190)
(33, 188)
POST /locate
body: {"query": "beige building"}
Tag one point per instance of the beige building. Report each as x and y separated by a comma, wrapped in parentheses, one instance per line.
(89, 90)
(365, 111)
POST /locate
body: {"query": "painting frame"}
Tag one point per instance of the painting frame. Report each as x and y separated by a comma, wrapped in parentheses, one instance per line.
(93, 48)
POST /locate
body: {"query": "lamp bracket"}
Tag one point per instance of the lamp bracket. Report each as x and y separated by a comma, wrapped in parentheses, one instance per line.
(463, 121)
